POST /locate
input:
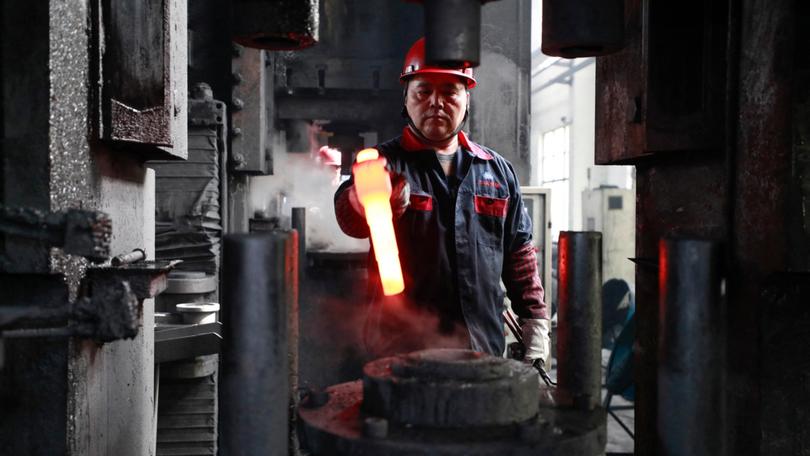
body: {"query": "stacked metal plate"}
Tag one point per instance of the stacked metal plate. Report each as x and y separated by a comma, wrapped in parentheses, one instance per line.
(187, 408)
(188, 221)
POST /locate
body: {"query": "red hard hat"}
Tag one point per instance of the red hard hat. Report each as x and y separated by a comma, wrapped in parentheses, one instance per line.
(415, 64)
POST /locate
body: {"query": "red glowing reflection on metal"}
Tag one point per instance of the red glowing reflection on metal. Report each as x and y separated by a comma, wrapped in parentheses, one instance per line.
(374, 191)
(662, 274)
(562, 270)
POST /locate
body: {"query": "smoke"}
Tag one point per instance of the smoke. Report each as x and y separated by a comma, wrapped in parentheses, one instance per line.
(299, 180)
(340, 333)
(394, 325)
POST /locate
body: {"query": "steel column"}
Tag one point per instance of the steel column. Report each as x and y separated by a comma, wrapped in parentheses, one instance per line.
(691, 345)
(255, 386)
(579, 333)
(453, 32)
(299, 224)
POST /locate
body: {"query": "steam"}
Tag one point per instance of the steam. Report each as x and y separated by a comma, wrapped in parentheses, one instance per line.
(340, 334)
(301, 181)
(396, 326)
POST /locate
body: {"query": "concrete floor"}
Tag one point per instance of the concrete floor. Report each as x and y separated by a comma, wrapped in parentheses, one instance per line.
(618, 440)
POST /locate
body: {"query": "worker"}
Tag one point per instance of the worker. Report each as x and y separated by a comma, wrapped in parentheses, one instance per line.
(460, 224)
(330, 158)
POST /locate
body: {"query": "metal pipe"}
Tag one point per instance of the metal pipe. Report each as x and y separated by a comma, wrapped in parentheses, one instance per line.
(453, 33)
(579, 328)
(127, 258)
(255, 366)
(293, 249)
(299, 224)
(690, 349)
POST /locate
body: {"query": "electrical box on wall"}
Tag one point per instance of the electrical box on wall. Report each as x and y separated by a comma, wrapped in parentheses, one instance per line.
(664, 91)
(612, 211)
(537, 202)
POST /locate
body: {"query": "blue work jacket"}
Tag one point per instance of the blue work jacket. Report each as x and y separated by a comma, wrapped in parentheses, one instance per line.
(456, 240)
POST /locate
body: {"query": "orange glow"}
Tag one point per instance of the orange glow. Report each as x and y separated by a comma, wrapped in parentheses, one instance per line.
(374, 190)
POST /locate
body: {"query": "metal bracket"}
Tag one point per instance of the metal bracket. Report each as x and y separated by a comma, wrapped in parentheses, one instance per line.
(106, 316)
(76, 231)
(108, 311)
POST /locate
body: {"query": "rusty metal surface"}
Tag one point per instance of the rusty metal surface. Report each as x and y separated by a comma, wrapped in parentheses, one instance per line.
(450, 388)
(620, 101)
(249, 150)
(664, 92)
(275, 24)
(337, 422)
(680, 198)
(759, 239)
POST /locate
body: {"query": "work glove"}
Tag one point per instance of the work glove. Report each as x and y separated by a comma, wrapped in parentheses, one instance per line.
(536, 339)
(400, 195)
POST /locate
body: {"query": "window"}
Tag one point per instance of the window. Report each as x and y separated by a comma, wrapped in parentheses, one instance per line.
(554, 174)
(615, 202)
(554, 156)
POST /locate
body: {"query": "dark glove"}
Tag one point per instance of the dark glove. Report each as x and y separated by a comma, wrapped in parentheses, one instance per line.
(400, 194)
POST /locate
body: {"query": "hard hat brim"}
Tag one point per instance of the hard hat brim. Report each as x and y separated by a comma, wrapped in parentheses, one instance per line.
(468, 80)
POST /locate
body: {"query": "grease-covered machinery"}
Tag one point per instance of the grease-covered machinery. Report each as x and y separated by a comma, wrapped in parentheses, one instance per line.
(449, 402)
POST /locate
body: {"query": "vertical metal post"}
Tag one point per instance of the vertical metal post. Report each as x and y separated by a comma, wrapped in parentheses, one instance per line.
(255, 383)
(579, 328)
(453, 32)
(292, 273)
(690, 348)
(295, 275)
(299, 224)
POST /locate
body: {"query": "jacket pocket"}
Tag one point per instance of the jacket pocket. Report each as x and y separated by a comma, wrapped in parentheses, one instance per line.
(421, 202)
(494, 207)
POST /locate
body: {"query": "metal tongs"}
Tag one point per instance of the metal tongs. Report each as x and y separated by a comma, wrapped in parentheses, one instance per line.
(514, 327)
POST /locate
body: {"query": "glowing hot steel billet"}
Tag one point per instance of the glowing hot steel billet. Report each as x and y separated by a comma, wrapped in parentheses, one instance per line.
(373, 187)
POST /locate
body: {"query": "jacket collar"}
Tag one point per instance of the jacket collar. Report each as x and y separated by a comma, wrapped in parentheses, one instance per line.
(411, 143)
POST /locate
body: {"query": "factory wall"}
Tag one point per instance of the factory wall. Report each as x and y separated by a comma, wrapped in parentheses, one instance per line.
(69, 395)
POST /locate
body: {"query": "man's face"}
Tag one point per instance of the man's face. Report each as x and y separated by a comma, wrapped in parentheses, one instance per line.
(436, 104)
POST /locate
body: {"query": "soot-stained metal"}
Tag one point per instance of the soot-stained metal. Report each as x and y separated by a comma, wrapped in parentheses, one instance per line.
(275, 24)
(111, 313)
(422, 389)
(453, 33)
(78, 232)
(582, 28)
(449, 402)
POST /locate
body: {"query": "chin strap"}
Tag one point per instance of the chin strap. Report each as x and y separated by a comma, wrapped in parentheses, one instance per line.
(422, 137)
